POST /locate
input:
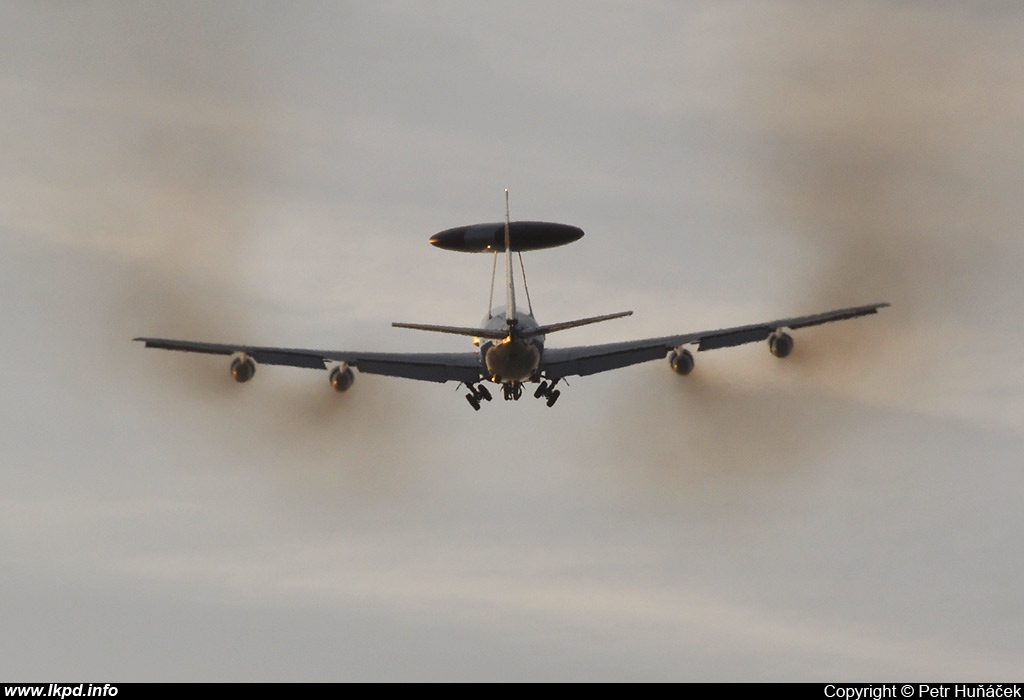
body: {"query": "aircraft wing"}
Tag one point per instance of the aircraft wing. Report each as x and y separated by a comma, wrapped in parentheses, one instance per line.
(591, 359)
(430, 367)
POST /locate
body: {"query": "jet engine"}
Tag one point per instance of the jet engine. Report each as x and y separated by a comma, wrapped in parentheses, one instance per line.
(681, 361)
(242, 369)
(342, 377)
(781, 344)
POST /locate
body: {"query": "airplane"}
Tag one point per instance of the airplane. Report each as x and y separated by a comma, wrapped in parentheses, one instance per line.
(510, 342)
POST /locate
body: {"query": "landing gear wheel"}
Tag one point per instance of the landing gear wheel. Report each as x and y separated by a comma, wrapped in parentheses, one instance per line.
(548, 392)
(473, 401)
(483, 393)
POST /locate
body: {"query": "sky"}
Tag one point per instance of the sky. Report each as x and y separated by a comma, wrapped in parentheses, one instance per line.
(269, 173)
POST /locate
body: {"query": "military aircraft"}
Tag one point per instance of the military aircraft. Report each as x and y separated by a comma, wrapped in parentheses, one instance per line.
(510, 341)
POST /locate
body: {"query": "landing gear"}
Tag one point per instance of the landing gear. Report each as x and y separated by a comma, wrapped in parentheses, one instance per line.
(477, 394)
(548, 392)
(512, 391)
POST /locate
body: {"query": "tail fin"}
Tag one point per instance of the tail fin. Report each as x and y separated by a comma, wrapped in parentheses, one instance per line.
(510, 288)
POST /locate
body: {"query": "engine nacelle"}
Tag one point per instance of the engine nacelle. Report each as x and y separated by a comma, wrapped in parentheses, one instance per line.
(681, 361)
(781, 344)
(242, 369)
(342, 377)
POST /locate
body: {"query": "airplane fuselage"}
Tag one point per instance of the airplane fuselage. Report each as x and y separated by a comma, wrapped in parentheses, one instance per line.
(513, 359)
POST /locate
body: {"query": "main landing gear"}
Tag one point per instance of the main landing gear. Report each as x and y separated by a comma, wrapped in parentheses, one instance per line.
(548, 391)
(477, 394)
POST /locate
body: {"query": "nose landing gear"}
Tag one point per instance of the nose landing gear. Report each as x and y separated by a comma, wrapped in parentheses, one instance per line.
(512, 391)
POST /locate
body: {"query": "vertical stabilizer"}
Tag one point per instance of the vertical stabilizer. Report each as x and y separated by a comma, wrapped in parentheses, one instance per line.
(510, 289)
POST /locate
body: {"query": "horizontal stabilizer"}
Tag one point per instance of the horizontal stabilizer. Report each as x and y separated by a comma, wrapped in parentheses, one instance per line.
(552, 327)
(492, 334)
(456, 330)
